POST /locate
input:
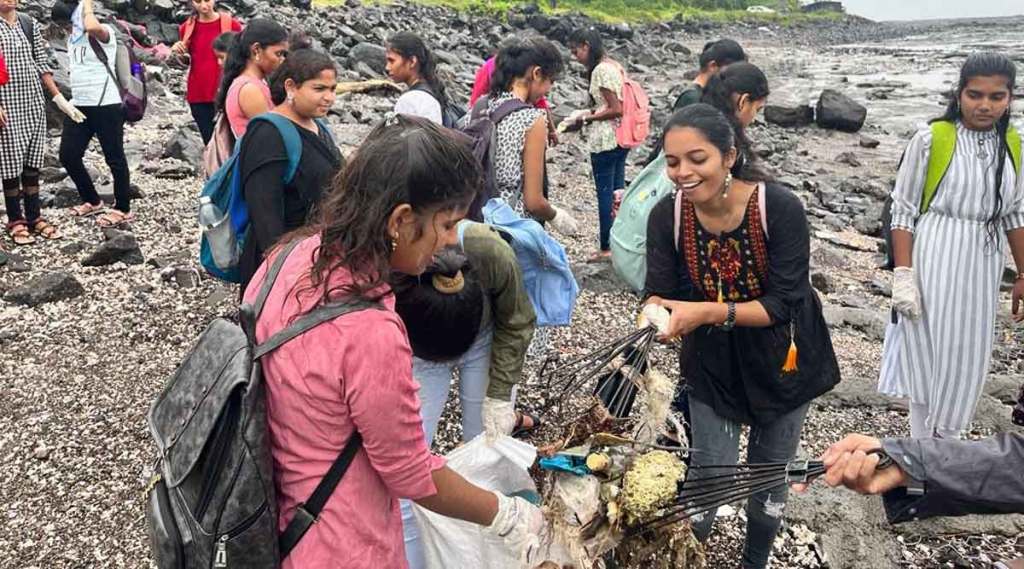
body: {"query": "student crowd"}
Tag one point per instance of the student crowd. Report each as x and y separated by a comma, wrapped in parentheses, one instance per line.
(727, 266)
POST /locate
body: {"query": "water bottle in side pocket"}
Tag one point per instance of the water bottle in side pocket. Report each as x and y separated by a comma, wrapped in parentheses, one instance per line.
(216, 227)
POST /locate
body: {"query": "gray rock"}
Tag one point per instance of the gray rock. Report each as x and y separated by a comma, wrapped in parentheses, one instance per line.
(789, 116)
(1011, 525)
(837, 111)
(120, 247)
(849, 158)
(374, 56)
(852, 528)
(856, 392)
(599, 278)
(880, 288)
(821, 281)
(49, 287)
(1004, 388)
(869, 322)
(992, 415)
(185, 145)
(868, 142)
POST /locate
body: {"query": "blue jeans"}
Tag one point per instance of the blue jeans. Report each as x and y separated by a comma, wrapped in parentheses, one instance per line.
(435, 379)
(609, 175)
(718, 439)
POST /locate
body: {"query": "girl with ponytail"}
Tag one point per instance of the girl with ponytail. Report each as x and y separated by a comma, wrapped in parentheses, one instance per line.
(958, 191)
(254, 55)
(411, 63)
(740, 91)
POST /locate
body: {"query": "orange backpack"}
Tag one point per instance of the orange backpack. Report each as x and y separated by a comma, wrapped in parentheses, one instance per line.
(190, 27)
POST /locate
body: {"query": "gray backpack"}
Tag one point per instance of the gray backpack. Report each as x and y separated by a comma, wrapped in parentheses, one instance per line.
(211, 501)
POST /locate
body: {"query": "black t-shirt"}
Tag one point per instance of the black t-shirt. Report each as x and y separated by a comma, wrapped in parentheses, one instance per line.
(276, 208)
(739, 373)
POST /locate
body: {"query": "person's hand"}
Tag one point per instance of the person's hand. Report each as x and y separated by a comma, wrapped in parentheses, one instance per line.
(67, 108)
(519, 524)
(906, 298)
(499, 418)
(3, 118)
(848, 463)
(654, 314)
(686, 317)
(179, 48)
(563, 222)
(553, 138)
(1018, 294)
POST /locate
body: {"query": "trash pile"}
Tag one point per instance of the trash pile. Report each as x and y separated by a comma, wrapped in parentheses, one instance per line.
(614, 462)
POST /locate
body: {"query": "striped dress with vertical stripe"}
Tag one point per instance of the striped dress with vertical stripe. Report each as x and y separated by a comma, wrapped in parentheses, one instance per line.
(941, 360)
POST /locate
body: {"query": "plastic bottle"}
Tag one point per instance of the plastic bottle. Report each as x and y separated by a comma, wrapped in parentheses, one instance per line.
(216, 229)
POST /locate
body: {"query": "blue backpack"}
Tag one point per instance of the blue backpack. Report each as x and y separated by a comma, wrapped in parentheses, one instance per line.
(547, 277)
(629, 230)
(223, 242)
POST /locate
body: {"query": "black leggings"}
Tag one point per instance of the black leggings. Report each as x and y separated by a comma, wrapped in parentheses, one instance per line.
(205, 115)
(24, 189)
(107, 124)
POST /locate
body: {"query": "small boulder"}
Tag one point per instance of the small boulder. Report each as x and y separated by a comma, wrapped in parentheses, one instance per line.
(185, 145)
(49, 287)
(868, 142)
(374, 56)
(849, 158)
(837, 111)
(821, 281)
(789, 117)
(119, 247)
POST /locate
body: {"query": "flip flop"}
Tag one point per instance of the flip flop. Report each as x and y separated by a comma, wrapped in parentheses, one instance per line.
(45, 229)
(19, 233)
(519, 429)
(87, 209)
(114, 218)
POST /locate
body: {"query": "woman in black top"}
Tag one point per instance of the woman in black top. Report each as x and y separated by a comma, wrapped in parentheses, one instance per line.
(303, 92)
(756, 349)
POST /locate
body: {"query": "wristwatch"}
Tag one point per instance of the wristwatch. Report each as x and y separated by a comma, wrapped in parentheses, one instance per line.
(730, 318)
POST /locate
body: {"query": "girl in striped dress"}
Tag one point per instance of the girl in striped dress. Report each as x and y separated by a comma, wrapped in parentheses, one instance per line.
(949, 253)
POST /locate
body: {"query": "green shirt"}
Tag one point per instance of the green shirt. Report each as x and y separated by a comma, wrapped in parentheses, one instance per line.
(691, 95)
(509, 307)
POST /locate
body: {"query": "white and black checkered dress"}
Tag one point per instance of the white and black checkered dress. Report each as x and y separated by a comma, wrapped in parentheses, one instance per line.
(23, 140)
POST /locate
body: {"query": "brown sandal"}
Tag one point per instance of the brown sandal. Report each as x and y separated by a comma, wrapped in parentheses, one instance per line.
(45, 229)
(87, 209)
(114, 218)
(19, 233)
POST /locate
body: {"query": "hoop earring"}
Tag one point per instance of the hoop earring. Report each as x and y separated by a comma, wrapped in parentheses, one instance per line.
(727, 186)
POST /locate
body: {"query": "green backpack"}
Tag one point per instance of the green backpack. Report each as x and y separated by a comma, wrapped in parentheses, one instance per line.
(941, 156)
(629, 231)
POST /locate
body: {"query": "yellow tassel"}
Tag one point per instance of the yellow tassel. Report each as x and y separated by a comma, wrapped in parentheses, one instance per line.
(721, 298)
(790, 365)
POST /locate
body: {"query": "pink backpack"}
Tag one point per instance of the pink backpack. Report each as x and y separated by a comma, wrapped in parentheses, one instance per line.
(635, 124)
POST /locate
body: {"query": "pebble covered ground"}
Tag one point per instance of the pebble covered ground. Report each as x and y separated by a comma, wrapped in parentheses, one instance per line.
(77, 376)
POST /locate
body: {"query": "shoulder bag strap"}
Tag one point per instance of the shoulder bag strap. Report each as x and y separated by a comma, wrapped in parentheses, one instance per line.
(290, 137)
(507, 108)
(225, 22)
(307, 512)
(28, 28)
(268, 281)
(190, 28)
(102, 56)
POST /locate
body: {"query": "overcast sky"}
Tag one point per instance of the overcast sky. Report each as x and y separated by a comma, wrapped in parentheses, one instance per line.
(928, 9)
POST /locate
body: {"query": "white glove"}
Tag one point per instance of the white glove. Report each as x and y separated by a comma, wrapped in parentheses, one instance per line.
(68, 109)
(563, 222)
(499, 418)
(657, 315)
(906, 298)
(519, 524)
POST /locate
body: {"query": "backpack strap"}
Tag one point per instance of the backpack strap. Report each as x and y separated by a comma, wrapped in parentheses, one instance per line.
(1013, 142)
(507, 108)
(292, 141)
(939, 158)
(225, 22)
(190, 28)
(762, 189)
(102, 56)
(27, 27)
(271, 277)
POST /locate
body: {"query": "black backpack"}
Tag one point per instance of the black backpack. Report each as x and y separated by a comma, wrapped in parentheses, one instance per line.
(451, 113)
(211, 501)
(482, 130)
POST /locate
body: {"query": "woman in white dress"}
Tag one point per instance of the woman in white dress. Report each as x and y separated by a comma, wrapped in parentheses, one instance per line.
(949, 249)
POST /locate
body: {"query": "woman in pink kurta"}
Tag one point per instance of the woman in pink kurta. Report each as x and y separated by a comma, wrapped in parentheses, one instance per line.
(394, 206)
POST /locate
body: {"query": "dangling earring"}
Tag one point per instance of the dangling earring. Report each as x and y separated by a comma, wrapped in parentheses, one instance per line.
(727, 186)
(291, 98)
(394, 242)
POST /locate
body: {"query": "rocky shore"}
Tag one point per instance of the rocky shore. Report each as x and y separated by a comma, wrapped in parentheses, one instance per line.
(91, 326)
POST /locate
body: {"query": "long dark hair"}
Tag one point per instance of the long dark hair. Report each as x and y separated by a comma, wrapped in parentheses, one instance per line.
(719, 131)
(404, 160)
(442, 324)
(258, 31)
(517, 56)
(408, 44)
(592, 38)
(737, 79)
(724, 52)
(988, 64)
(300, 66)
